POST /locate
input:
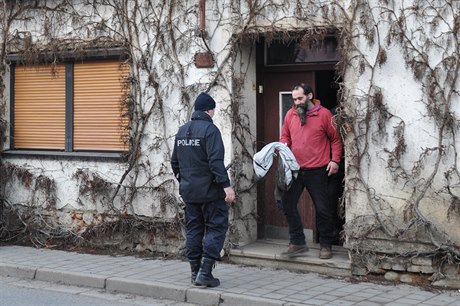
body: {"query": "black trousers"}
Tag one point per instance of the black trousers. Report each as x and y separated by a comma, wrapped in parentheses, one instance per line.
(316, 182)
(206, 225)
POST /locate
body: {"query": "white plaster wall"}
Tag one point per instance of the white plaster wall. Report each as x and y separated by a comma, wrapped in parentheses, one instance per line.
(247, 203)
(402, 97)
(62, 173)
(7, 84)
(154, 155)
(405, 100)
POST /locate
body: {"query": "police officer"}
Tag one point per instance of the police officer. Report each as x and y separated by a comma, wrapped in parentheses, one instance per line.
(198, 164)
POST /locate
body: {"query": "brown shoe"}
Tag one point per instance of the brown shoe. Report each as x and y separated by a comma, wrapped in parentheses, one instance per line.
(325, 252)
(295, 250)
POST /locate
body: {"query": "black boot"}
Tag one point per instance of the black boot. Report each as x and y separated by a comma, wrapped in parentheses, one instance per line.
(204, 277)
(195, 265)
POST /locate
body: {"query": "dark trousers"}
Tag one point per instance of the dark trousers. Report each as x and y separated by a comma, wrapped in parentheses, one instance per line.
(206, 225)
(316, 182)
(336, 186)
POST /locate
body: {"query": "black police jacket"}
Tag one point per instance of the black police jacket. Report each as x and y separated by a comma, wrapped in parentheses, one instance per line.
(198, 160)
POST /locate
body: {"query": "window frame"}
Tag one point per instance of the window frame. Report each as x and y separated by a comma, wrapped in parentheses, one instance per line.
(68, 61)
(296, 43)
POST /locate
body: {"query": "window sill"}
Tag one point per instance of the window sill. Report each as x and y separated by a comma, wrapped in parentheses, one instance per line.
(117, 156)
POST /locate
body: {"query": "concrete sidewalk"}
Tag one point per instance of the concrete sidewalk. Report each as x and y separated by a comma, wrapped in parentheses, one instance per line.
(170, 279)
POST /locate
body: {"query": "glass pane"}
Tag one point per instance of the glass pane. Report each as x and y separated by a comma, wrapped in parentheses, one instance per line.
(296, 52)
(285, 105)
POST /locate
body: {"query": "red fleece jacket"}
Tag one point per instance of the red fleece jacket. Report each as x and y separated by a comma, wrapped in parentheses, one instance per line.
(311, 144)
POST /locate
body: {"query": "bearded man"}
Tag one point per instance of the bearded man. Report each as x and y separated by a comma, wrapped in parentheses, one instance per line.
(309, 131)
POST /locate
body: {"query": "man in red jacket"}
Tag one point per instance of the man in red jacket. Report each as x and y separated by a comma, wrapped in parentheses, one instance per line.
(309, 131)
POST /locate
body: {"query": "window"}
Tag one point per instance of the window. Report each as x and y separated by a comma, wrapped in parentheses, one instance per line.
(285, 101)
(74, 106)
(297, 52)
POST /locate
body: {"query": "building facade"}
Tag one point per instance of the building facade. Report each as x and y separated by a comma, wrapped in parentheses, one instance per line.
(92, 93)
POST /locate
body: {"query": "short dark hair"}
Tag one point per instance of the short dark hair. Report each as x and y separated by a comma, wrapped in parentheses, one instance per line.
(305, 87)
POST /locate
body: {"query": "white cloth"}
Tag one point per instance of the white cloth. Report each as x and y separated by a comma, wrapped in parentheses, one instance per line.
(263, 160)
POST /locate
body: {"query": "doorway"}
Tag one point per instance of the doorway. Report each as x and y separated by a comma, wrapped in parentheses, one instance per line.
(280, 65)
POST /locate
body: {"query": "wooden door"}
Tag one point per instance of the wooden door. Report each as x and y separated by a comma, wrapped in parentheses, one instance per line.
(276, 101)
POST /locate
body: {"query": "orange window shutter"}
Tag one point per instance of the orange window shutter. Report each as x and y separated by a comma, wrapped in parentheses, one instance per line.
(39, 107)
(100, 122)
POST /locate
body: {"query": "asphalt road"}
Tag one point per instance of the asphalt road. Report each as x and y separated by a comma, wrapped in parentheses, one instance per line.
(16, 292)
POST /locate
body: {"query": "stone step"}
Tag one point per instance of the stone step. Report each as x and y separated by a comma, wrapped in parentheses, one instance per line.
(267, 253)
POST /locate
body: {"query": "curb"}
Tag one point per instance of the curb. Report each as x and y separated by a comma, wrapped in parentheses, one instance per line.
(191, 294)
(145, 288)
(71, 278)
(18, 272)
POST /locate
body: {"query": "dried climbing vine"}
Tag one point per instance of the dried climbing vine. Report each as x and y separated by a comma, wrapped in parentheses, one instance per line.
(158, 36)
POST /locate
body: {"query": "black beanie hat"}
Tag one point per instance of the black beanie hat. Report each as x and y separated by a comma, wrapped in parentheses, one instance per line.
(204, 102)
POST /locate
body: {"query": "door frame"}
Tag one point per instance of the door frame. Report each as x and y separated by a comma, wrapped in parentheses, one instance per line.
(261, 70)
